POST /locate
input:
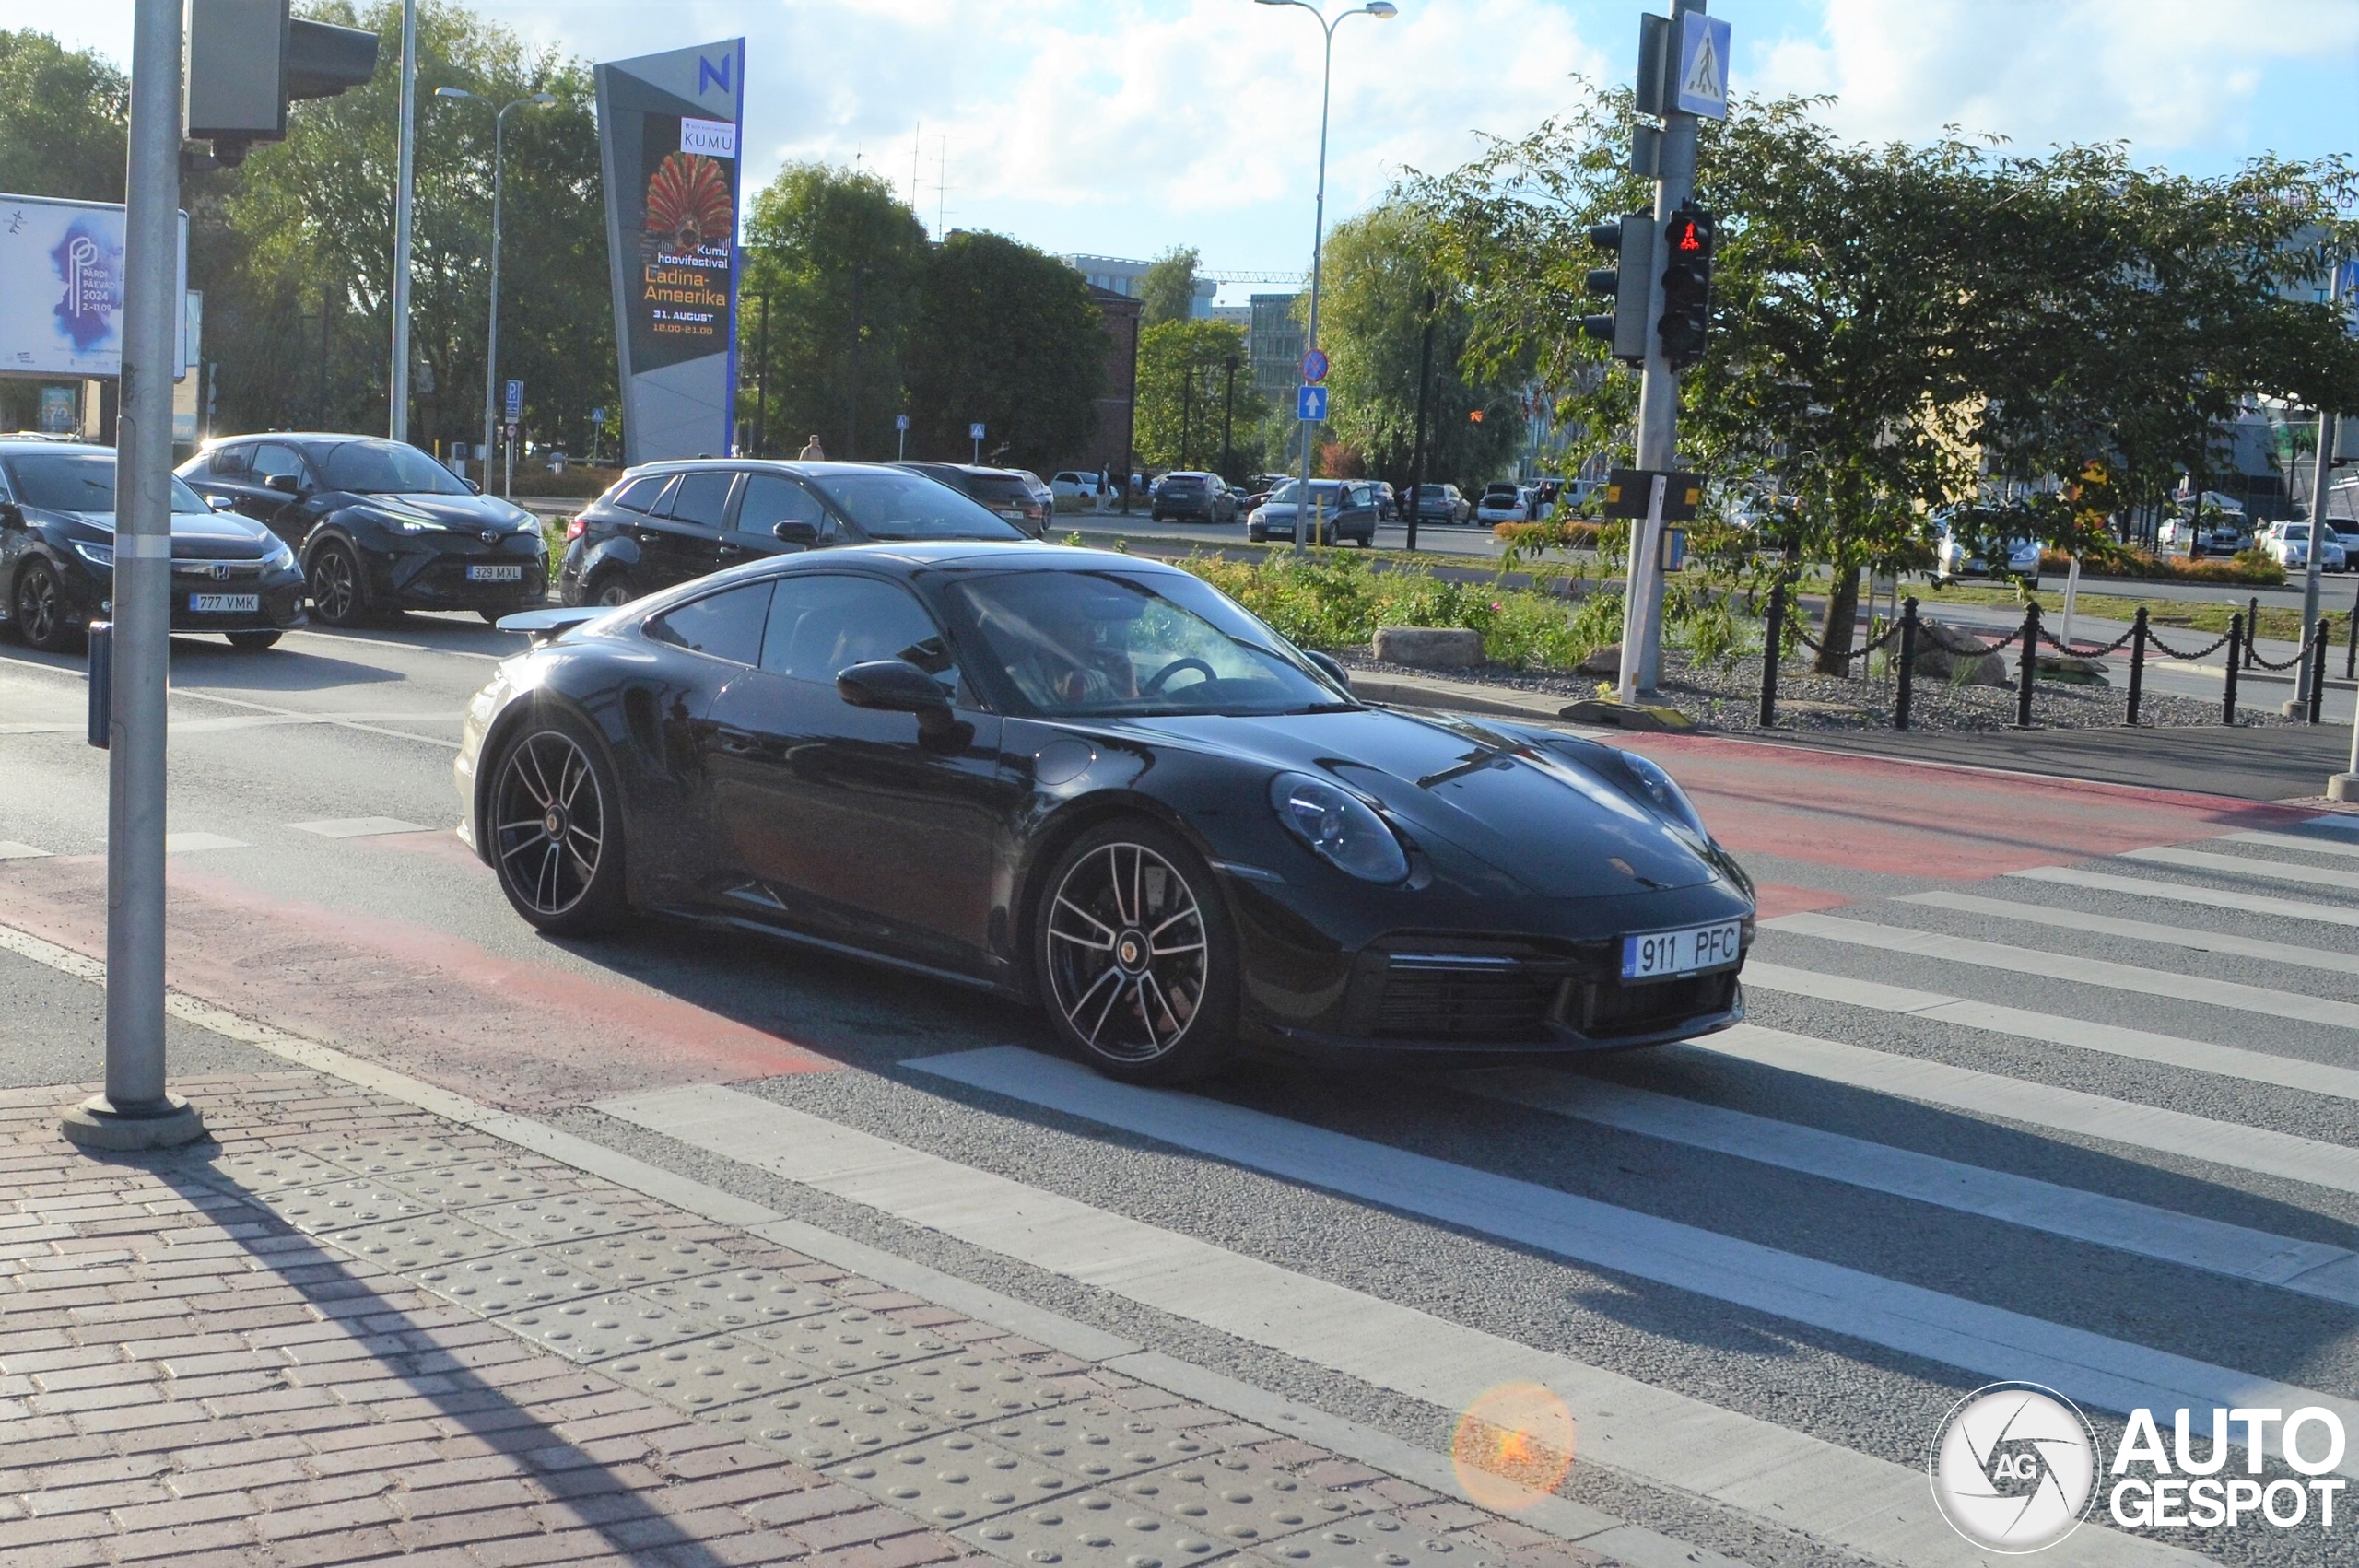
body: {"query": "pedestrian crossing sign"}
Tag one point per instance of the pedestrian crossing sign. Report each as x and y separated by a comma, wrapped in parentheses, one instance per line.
(1703, 67)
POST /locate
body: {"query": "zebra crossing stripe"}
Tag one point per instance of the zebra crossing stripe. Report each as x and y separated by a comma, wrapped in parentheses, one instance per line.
(2258, 1150)
(12, 850)
(2308, 844)
(2191, 937)
(2182, 893)
(2310, 1268)
(2245, 865)
(2013, 960)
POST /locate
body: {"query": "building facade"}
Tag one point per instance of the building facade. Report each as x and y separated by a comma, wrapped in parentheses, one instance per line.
(1110, 451)
(1128, 278)
(1274, 340)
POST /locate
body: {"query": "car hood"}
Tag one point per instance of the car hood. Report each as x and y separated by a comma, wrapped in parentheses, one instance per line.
(1533, 812)
(470, 512)
(206, 536)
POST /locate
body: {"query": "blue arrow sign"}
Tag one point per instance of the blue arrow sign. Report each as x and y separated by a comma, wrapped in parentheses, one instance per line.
(1311, 404)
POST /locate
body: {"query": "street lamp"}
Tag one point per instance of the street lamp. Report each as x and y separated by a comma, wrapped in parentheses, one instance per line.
(1382, 10)
(498, 172)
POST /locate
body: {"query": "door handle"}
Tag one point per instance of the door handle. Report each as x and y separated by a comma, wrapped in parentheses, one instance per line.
(728, 549)
(736, 742)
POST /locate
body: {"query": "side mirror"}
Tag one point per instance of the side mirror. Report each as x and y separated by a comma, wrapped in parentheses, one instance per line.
(284, 483)
(474, 488)
(10, 517)
(221, 503)
(795, 531)
(1334, 671)
(896, 686)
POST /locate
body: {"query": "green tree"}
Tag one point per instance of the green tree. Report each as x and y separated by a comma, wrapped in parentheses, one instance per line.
(835, 261)
(1183, 390)
(63, 117)
(1169, 291)
(1006, 336)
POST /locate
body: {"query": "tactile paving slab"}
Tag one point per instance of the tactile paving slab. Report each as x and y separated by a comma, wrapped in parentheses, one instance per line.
(702, 1374)
(265, 1170)
(1378, 1541)
(1092, 1440)
(384, 1153)
(1235, 1500)
(1090, 1529)
(549, 1218)
(469, 1185)
(338, 1205)
(953, 1479)
(603, 1327)
(964, 1388)
(644, 1257)
(829, 1423)
(511, 1281)
(849, 1340)
(743, 1298)
(419, 1242)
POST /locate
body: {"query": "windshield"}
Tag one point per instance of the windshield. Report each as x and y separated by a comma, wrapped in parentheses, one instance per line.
(1321, 490)
(1106, 644)
(888, 504)
(383, 468)
(78, 482)
(1000, 487)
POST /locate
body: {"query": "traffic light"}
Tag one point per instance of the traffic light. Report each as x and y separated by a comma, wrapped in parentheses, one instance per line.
(1631, 239)
(1687, 287)
(248, 58)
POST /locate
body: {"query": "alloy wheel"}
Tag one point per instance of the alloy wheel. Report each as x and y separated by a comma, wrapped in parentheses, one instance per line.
(38, 605)
(1128, 960)
(613, 594)
(335, 589)
(549, 821)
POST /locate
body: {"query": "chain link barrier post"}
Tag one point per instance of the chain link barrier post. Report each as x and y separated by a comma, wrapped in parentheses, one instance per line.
(2236, 647)
(2136, 664)
(2318, 669)
(2030, 669)
(2351, 653)
(1901, 700)
(2252, 628)
(1775, 641)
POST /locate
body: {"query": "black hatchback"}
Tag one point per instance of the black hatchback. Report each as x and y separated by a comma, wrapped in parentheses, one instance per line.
(667, 522)
(379, 525)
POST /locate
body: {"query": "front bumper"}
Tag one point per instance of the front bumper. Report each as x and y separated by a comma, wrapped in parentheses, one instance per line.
(429, 572)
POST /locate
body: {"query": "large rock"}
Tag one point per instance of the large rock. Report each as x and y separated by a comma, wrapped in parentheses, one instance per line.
(1948, 653)
(1430, 648)
(1604, 662)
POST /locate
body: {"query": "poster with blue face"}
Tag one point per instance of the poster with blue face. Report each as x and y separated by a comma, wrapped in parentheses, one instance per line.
(62, 288)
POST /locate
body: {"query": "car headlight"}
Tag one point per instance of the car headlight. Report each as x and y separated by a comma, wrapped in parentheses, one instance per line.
(1659, 792)
(97, 554)
(280, 558)
(1339, 828)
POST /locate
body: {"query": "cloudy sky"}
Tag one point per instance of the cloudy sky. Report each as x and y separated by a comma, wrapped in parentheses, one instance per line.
(1123, 126)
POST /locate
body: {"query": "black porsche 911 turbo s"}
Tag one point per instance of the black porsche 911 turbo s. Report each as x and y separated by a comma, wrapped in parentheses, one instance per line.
(379, 524)
(57, 554)
(1094, 782)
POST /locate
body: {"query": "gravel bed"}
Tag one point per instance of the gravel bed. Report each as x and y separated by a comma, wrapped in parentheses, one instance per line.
(1729, 697)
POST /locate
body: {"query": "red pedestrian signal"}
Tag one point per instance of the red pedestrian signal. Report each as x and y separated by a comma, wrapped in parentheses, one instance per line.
(1687, 287)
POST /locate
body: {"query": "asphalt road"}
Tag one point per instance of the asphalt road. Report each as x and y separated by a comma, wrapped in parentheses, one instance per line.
(2043, 1081)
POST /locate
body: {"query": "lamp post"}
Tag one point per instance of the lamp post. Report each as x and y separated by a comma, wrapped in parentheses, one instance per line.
(405, 186)
(499, 176)
(1382, 10)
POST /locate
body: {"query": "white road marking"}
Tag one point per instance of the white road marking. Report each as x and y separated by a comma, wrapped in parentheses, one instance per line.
(373, 727)
(2308, 844)
(406, 646)
(2245, 865)
(2013, 960)
(12, 850)
(1872, 1507)
(2256, 1148)
(2192, 937)
(2112, 1039)
(2311, 1268)
(357, 826)
(2182, 893)
(189, 843)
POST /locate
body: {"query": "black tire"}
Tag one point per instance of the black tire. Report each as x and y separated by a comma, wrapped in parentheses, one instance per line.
(610, 590)
(38, 604)
(553, 822)
(1116, 889)
(339, 594)
(253, 642)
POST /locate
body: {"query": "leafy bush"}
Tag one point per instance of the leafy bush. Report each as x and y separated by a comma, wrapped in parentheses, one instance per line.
(2245, 567)
(1337, 601)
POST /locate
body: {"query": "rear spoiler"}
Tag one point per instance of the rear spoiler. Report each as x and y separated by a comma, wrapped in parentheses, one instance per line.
(541, 625)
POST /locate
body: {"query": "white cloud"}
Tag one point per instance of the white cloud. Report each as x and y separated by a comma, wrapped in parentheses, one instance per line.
(2167, 74)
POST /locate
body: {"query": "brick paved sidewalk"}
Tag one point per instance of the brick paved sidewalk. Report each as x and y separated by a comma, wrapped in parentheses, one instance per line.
(347, 1331)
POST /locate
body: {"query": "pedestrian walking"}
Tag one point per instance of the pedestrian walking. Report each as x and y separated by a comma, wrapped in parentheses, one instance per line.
(812, 452)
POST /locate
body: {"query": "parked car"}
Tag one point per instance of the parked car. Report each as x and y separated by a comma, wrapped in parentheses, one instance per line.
(379, 525)
(1503, 503)
(1443, 503)
(1006, 491)
(1094, 783)
(2289, 546)
(1187, 496)
(1340, 510)
(669, 522)
(1072, 485)
(229, 575)
(1388, 504)
(1954, 557)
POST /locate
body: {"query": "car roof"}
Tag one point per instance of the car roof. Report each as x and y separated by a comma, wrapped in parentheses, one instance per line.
(36, 443)
(922, 554)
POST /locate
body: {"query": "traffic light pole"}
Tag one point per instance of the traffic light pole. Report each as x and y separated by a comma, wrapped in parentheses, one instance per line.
(1658, 402)
(136, 1111)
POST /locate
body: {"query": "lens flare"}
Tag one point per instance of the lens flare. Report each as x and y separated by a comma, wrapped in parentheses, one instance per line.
(1513, 1446)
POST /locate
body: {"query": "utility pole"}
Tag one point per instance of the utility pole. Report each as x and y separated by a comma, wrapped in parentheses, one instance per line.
(135, 1110)
(1417, 439)
(2319, 476)
(1228, 421)
(405, 184)
(1187, 406)
(762, 380)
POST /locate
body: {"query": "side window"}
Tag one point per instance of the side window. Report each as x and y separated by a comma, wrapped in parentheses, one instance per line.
(772, 498)
(702, 498)
(233, 462)
(639, 494)
(271, 459)
(726, 626)
(823, 623)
